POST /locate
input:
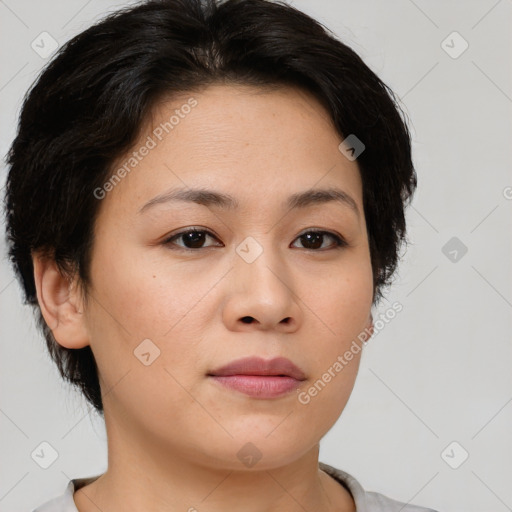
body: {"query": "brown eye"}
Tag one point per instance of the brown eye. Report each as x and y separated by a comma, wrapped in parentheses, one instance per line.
(191, 238)
(314, 240)
(194, 239)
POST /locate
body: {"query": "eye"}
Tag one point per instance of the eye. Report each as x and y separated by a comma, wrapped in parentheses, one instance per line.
(192, 238)
(314, 239)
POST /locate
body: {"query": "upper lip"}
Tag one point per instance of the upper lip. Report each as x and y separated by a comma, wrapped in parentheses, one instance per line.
(259, 366)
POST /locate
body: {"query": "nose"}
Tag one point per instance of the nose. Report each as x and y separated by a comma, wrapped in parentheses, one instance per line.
(261, 295)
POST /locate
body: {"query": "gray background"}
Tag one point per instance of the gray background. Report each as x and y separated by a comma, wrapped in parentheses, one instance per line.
(440, 371)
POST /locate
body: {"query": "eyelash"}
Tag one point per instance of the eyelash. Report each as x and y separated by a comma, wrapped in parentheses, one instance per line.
(339, 242)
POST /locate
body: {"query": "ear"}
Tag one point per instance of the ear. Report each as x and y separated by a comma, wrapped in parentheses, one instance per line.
(368, 328)
(60, 303)
(370, 325)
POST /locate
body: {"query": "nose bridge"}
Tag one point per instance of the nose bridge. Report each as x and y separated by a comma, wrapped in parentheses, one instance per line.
(261, 289)
(258, 264)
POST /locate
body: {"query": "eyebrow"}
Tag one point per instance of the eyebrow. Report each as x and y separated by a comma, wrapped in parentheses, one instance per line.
(224, 201)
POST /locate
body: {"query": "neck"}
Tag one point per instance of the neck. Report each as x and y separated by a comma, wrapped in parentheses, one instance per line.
(143, 476)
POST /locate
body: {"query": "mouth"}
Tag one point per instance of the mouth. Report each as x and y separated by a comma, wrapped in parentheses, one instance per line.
(258, 377)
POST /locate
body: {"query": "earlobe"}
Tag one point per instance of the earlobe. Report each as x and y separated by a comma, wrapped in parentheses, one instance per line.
(368, 332)
(370, 325)
(60, 303)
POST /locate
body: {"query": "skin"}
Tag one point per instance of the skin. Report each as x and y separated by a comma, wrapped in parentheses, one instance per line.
(173, 434)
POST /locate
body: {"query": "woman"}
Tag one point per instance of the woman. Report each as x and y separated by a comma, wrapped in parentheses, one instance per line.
(204, 202)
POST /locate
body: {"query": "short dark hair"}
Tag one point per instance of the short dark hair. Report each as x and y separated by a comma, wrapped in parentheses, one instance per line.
(88, 106)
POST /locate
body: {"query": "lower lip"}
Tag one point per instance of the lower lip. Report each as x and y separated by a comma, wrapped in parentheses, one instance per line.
(259, 386)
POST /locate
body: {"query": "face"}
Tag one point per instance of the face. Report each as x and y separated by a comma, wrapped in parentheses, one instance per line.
(259, 276)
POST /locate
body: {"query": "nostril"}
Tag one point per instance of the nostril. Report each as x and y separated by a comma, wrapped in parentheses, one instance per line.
(247, 319)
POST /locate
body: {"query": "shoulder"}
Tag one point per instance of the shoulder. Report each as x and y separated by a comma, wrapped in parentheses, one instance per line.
(65, 502)
(365, 501)
(369, 501)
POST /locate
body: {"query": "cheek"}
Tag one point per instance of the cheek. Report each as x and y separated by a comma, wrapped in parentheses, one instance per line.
(343, 316)
(146, 298)
(321, 402)
(341, 301)
(142, 307)
(327, 390)
(339, 316)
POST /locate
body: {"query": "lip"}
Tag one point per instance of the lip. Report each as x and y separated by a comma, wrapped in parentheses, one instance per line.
(260, 378)
(279, 366)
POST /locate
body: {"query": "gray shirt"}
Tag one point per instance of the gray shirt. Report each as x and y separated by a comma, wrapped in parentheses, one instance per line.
(365, 501)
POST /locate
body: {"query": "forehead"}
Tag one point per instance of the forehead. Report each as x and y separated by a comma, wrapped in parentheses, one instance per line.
(257, 144)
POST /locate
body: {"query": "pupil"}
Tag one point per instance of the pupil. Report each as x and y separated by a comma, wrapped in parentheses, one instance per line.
(316, 237)
(193, 238)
